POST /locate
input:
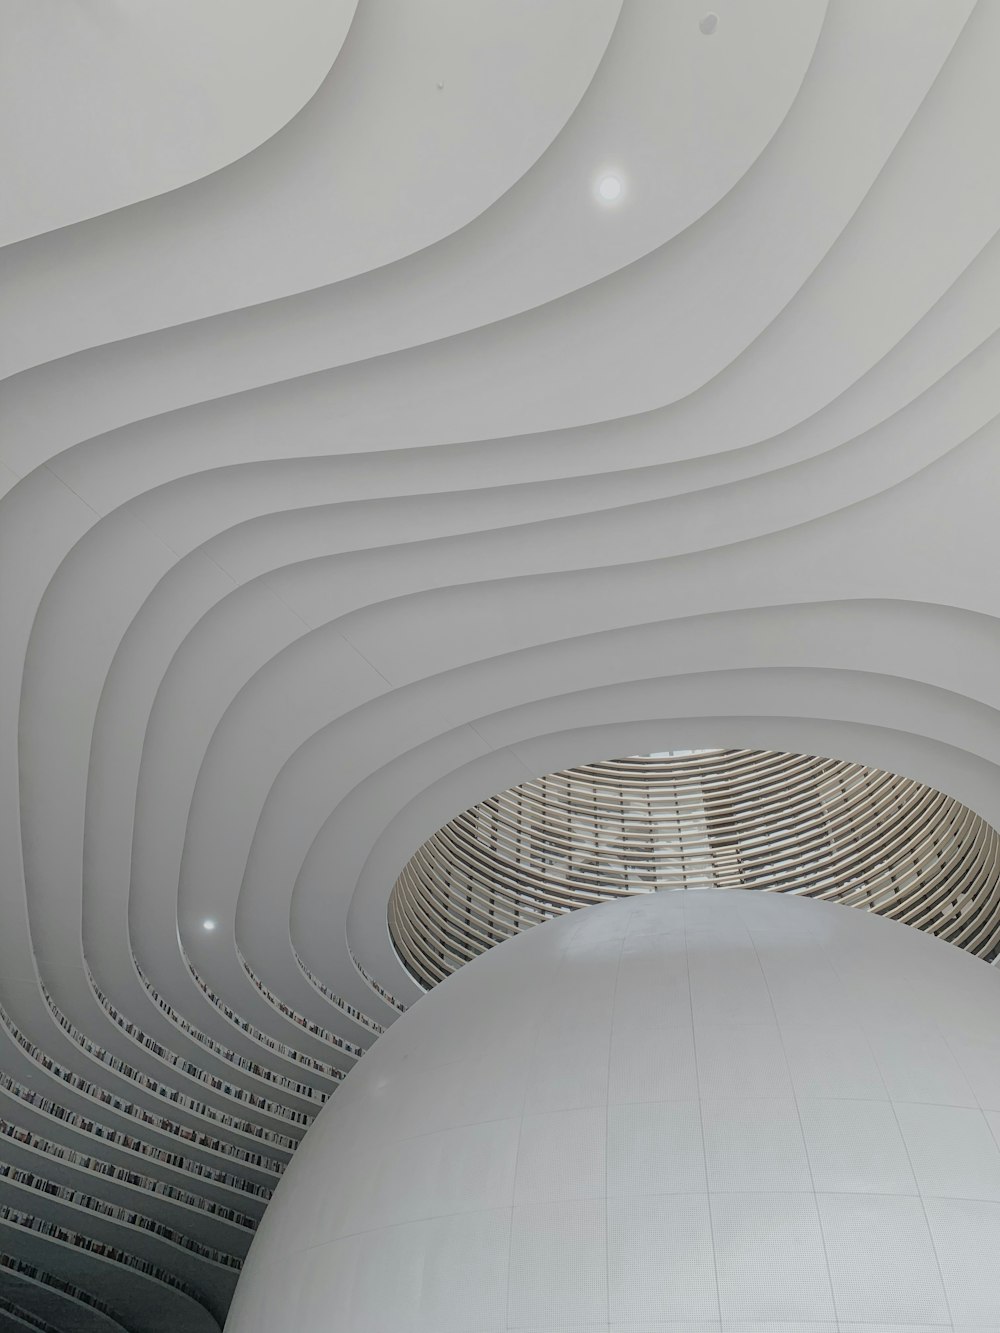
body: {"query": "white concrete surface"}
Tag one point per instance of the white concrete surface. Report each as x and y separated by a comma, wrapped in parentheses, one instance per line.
(715, 1110)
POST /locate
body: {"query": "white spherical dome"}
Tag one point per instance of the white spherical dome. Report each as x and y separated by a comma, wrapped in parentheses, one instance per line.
(674, 1109)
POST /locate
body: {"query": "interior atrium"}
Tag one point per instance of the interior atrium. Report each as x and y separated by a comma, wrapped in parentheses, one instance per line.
(499, 644)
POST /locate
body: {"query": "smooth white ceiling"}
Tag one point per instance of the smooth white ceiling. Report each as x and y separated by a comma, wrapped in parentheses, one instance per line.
(106, 103)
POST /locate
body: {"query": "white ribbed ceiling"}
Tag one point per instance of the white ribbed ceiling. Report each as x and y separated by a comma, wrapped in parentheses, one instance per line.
(386, 467)
(106, 103)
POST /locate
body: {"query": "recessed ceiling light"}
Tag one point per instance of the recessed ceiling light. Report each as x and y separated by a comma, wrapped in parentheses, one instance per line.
(610, 188)
(208, 924)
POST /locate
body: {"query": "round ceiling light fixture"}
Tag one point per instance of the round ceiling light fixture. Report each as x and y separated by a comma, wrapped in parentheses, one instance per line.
(610, 188)
(208, 924)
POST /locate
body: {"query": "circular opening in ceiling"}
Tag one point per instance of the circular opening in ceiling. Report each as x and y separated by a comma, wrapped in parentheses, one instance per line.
(697, 819)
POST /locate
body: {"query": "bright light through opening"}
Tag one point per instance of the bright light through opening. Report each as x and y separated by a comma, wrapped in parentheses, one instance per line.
(209, 924)
(610, 188)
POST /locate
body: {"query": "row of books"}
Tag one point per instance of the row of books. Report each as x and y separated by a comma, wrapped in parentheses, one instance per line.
(87, 1162)
(32, 1273)
(350, 1010)
(101, 1248)
(128, 1026)
(164, 1090)
(94, 1204)
(136, 1111)
(254, 1033)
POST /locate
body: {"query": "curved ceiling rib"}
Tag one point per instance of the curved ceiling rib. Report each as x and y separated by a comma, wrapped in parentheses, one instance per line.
(320, 201)
(214, 80)
(388, 467)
